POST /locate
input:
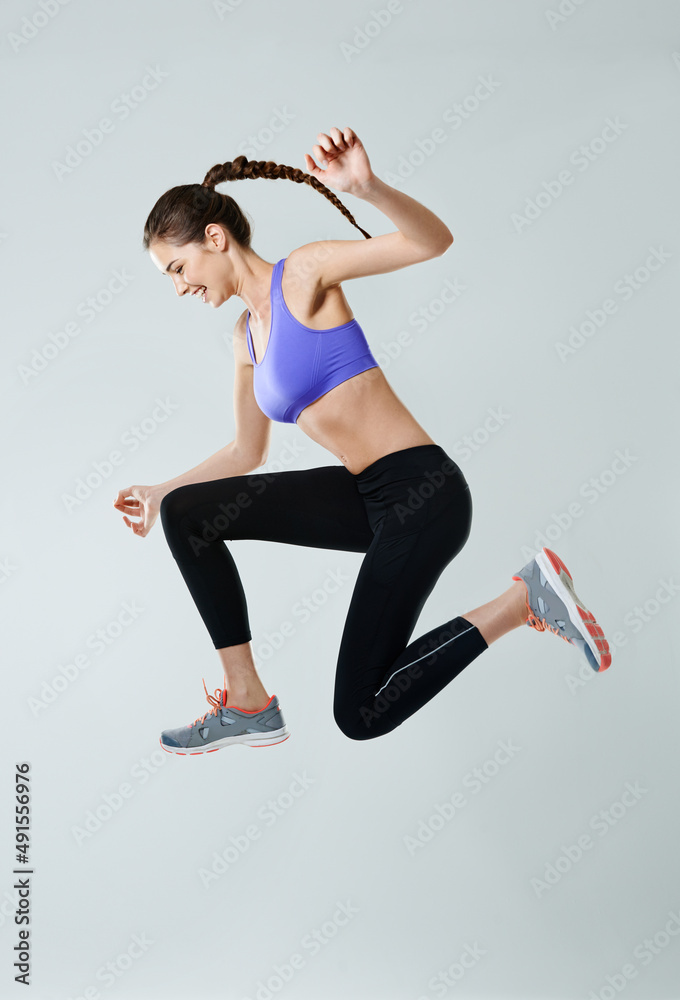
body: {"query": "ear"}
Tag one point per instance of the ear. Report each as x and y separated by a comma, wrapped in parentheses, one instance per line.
(215, 236)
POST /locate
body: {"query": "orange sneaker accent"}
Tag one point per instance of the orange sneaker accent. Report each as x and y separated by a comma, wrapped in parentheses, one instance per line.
(595, 629)
(557, 563)
(253, 711)
(541, 625)
(593, 626)
(216, 700)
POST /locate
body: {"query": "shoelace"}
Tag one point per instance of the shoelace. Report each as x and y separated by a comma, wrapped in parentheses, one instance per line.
(215, 700)
(541, 625)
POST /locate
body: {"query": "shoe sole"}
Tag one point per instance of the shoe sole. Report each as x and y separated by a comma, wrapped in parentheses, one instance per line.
(247, 739)
(561, 580)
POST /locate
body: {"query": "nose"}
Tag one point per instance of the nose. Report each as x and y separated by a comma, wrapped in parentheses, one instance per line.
(181, 287)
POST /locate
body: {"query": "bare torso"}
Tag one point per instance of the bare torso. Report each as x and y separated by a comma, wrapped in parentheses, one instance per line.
(361, 419)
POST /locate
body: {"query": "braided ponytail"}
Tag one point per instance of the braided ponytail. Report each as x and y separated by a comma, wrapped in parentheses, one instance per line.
(181, 214)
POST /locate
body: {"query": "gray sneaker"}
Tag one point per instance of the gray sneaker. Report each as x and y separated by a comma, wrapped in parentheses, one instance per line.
(553, 605)
(221, 727)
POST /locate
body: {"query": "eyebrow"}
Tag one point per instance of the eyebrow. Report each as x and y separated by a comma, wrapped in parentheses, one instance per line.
(170, 265)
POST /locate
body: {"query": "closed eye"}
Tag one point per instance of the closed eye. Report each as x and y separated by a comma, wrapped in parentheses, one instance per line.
(178, 270)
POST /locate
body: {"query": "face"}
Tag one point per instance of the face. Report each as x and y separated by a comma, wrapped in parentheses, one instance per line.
(201, 271)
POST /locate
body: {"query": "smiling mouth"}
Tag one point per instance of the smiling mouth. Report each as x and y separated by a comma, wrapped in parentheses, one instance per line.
(202, 291)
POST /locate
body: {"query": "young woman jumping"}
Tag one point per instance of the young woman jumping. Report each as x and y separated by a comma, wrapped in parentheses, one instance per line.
(302, 358)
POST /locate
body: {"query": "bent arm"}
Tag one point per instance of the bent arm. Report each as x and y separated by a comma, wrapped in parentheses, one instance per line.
(228, 461)
(415, 222)
(248, 451)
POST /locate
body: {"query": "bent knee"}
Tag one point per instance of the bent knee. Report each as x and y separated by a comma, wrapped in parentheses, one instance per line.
(175, 514)
(171, 506)
(355, 724)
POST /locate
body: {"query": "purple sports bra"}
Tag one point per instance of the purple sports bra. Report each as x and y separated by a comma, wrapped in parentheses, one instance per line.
(299, 363)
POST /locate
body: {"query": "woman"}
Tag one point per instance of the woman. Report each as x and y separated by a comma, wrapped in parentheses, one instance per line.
(397, 496)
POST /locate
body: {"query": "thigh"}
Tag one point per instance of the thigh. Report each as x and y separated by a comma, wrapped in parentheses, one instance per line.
(398, 574)
(316, 507)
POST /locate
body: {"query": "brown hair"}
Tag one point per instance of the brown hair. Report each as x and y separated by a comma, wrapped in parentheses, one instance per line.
(182, 213)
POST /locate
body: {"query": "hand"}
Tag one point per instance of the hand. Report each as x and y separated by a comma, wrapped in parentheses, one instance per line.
(140, 501)
(347, 167)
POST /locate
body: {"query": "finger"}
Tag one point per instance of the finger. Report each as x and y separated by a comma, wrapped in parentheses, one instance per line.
(325, 141)
(312, 168)
(349, 136)
(129, 506)
(320, 153)
(338, 138)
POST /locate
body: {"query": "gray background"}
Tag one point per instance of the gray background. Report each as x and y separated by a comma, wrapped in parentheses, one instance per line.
(580, 740)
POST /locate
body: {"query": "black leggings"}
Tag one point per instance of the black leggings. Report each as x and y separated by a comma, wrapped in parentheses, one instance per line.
(410, 512)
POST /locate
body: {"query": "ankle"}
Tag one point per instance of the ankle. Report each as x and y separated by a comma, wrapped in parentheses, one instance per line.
(520, 602)
(252, 697)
